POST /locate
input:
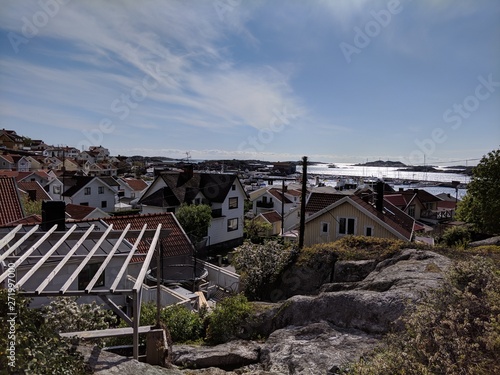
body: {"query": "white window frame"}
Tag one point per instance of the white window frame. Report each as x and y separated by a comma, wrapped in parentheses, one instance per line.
(232, 199)
(371, 228)
(322, 227)
(232, 228)
(339, 219)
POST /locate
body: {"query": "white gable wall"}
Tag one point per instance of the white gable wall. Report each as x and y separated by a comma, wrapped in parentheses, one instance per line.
(95, 199)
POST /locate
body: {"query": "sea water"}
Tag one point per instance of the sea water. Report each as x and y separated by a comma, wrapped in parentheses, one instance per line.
(349, 170)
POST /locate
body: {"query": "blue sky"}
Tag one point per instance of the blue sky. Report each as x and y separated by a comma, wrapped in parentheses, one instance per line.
(338, 81)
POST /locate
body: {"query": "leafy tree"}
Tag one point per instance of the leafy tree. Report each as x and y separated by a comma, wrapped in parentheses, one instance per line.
(481, 204)
(256, 230)
(195, 219)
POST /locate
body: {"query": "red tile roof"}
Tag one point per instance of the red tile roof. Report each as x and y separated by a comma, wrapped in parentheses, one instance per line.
(271, 216)
(175, 244)
(318, 201)
(40, 192)
(391, 215)
(77, 212)
(10, 202)
(279, 195)
(136, 184)
(28, 220)
(293, 192)
(397, 200)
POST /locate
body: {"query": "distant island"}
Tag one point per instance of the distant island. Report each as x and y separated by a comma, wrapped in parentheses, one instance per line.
(381, 163)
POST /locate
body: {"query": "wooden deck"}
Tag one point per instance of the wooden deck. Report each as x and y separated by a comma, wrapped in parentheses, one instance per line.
(101, 333)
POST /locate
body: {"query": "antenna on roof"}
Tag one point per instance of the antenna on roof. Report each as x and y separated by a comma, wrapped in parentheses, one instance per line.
(188, 156)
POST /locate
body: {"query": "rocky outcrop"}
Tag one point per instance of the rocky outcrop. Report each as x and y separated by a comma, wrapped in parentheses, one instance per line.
(102, 362)
(352, 271)
(372, 305)
(313, 349)
(318, 334)
(228, 356)
(486, 242)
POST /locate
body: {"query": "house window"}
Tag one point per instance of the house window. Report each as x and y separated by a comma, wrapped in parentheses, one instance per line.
(233, 203)
(346, 225)
(411, 210)
(233, 187)
(86, 275)
(100, 189)
(232, 224)
(369, 231)
(325, 228)
(104, 204)
(84, 204)
(87, 191)
(56, 189)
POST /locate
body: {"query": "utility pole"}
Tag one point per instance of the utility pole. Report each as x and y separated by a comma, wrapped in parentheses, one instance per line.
(282, 208)
(303, 203)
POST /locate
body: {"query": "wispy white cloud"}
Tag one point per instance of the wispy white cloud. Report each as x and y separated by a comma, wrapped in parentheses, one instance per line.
(118, 45)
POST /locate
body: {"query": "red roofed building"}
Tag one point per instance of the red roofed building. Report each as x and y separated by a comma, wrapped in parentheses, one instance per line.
(273, 218)
(318, 201)
(77, 212)
(177, 245)
(34, 190)
(352, 215)
(11, 208)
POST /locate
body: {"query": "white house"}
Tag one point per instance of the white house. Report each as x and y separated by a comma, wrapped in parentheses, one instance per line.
(101, 153)
(131, 187)
(223, 192)
(39, 176)
(91, 191)
(7, 162)
(55, 189)
(272, 199)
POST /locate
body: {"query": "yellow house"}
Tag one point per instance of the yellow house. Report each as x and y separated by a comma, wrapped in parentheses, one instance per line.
(273, 218)
(351, 215)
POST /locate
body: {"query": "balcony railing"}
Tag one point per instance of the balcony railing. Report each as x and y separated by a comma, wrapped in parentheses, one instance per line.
(265, 204)
(437, 214)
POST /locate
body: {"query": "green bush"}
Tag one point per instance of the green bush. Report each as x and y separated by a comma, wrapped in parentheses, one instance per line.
(454, 330)
(64, 314)
(184, 325)
(352, 248)
(38, 348)
(227, 318)
(456, 237)
(260, 265)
